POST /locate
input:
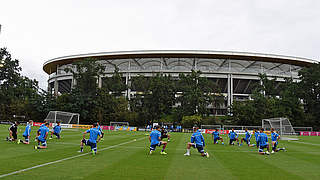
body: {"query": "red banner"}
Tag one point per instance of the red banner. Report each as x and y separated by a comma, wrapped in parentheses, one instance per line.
(307, 133)
(39, 124)
(210, 131)
(107, 128)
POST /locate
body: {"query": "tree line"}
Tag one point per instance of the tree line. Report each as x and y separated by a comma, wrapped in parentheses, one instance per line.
(160, 98)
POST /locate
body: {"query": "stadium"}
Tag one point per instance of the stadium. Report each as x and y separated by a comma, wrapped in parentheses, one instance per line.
(234, 72)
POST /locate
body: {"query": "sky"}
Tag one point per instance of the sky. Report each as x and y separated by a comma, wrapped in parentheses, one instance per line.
(35, 31)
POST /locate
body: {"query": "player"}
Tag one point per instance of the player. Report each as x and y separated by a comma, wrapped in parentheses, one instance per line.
(155, 140)
(216, 136)
(233, 136)
(256, 135)
(100, 129)
(26, 133)
(275, 139)
(247, 138)
(197, 141)
(164, 134)
(42, 133)
(56, 130)
(92, 141)
(13, 131)
(263, 142)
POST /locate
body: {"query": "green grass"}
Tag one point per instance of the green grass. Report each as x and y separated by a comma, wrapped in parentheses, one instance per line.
(131, 160)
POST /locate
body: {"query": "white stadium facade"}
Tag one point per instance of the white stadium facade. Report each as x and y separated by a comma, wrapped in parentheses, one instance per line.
(234, 72)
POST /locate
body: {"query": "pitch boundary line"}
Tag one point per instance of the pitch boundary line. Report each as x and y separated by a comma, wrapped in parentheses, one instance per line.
(64, 159)
(306, 143)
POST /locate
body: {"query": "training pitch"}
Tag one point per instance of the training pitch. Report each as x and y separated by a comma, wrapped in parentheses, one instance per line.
(124, 155)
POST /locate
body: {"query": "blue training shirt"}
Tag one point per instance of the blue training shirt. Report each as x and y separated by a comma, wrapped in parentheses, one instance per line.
(57, 129)
(43, 131)
(27, 131)
(215, 134)
(274, 136)
(233, 135)
(262, 139)
(197, 138)
(256, 135)
(155, 135)
(248, 136)
(94, 132)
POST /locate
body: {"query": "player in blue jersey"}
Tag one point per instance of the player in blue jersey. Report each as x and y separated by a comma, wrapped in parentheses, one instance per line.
(263, 142)
(233, 136)
(256, 135)
(216, 136)
(42, 136)
(247, 138)
(275, 139)
(26, 133)
(92, 141)
(155, 140)
(100, 129)
(56, 130)
(197, 141)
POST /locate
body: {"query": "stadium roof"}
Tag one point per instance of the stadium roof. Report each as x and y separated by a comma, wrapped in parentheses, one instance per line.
(50, 66)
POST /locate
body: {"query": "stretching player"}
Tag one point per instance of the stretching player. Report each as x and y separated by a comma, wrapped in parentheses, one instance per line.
(100, 129)
(56, 130)
(197, 141)
(233, 136)
(164, 134)
(42, 136)
(275, 139)
(247, 138)
(263, 142)
(13, 132)
(26, 134)
(216, 136)
(155, 140)
(92, 141)
(256, 135)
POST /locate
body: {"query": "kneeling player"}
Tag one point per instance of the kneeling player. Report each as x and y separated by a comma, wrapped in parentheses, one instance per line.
(216, 136)
(164, 134)
(13, 132)
(275, 138)
(233, 136)
(256, 135)
(155, 140)
(247, 138)
(92, 141)
(26, 134)
(263, 142)
(42, 136)
(197, 141)
(56, 130)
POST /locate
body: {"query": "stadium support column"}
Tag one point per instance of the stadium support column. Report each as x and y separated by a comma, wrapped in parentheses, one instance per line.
(100, 82)
(56, 84)
(230, 90)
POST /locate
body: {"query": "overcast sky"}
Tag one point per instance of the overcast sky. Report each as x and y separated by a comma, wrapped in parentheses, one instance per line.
(38, 30)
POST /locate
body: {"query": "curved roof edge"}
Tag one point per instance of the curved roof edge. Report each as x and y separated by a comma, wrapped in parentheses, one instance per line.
(50, 65)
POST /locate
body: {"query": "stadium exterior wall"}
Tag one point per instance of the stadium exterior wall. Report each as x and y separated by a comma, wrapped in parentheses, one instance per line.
(234, 72)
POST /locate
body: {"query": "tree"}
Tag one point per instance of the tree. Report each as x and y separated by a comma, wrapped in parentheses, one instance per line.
(17, 93)
(197, 93)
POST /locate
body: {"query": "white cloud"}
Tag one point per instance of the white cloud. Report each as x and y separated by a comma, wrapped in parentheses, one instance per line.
(38, 30)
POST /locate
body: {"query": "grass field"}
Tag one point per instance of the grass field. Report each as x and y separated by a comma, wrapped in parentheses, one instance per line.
(120, 157)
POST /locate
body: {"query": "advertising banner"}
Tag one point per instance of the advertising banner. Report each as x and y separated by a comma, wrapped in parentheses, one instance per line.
(307, 133)
(39, 124)
(81, 126)
(210, 131)
(107, 128)
(125, 128)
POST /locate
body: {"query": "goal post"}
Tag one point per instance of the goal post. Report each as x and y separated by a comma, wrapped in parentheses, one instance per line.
(63, 117)
(280, 124)
(119, 123)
